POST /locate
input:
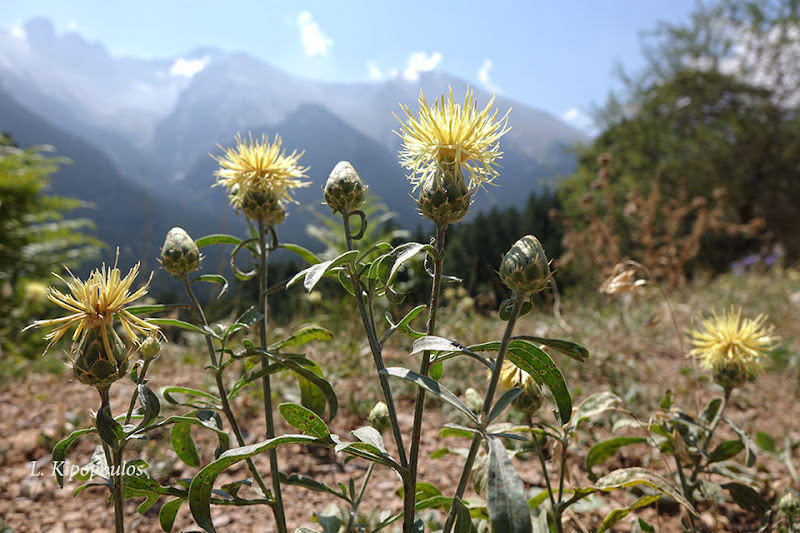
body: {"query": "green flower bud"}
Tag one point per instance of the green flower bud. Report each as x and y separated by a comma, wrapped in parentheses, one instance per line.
(262, 206)
(531, 399)
(150, 348)
(789, 505)
(445, 198)
(379, 417)
(474, 400)
(344, 190)
(180, 255)
(525, 269)
(94, 366)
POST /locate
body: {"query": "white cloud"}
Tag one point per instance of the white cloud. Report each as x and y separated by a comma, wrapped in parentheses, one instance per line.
(572, 114)
(484, 75)
(420, 62)
(314, 41)
(18, 33)
(376, 73)
(188, 67)
(579, 120)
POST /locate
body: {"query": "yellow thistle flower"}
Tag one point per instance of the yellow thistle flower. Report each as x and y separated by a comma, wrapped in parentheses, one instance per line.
(94, 305)
(448, 134)
(732, 347)
(513, 376)
(259, 167)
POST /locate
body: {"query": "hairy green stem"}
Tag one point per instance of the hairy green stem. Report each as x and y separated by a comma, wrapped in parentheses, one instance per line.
(540, 455)
(409, 496)
(487, 405)
(375, 348)
(114, 463)
(140, 381)
(223, 393)
(272, 453)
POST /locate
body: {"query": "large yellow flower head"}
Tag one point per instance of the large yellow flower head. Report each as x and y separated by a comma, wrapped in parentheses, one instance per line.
(259, 167)
(513, 376)
(93, 306)
(731, 347)
(449, 134)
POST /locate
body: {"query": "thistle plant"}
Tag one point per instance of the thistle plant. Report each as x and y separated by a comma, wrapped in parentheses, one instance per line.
(100, 358)
(449, 151)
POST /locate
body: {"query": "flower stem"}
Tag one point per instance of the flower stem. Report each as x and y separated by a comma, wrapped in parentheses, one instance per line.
(114, 463)
(223, 393)
(375, 348)
(354, 509)
(278, 510)
(487, 405)
(409, 496)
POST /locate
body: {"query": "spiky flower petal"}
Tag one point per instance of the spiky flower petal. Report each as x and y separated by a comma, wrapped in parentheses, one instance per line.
(512, 376)
(258, 168)
(94, 304)
(731, 347)
(449, 133)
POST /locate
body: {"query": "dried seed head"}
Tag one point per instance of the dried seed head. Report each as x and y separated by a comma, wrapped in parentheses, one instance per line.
(344, 190)
(180, 255)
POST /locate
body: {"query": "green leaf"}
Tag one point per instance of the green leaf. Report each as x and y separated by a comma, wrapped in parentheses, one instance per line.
(110, 431)
(750, 448)
(710, 411)
(747, 498)
(434, 344)
(436, 370)
(60, 452)
(725, 450)
(594, 405)
(217, 239)
(169, 391)
(311, 396)
(303, 336)
(155, 308)
(503, 402)
(643, 526)
(183, 444)
(765, 441)
(431, 386)
(206, 419)
(311, 484)
(150, 406)
(604, 450)
(618, 514)
(370, 435)
(506, 501)
(314, 273)
(463, 519)
(404, 252)
(306, 255)
(305, 420)
(214, 278)
(180, 324)
(167, 514)
(631, 477)
(568, 348)
(203, 483)
(538, 364)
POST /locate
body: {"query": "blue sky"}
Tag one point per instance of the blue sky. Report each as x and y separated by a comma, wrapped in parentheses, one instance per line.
(556, 56)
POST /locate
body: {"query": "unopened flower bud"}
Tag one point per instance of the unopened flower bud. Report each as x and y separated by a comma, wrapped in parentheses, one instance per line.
(94, 365)
(445, 198)
(180, 255)
(379, 417)
(474, 400)
(789, 505)
(150, 348)
(525, 269)
(344, 190)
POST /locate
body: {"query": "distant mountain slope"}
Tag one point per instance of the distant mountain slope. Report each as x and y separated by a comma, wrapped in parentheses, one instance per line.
(126, 214)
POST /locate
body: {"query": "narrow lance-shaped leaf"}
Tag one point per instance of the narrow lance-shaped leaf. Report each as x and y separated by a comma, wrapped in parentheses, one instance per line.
(433, 387)
(506, 501)
(304, 419)
(60, 452)
(606, 449)
(568, 348)
(538, 364)
(217, 239)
